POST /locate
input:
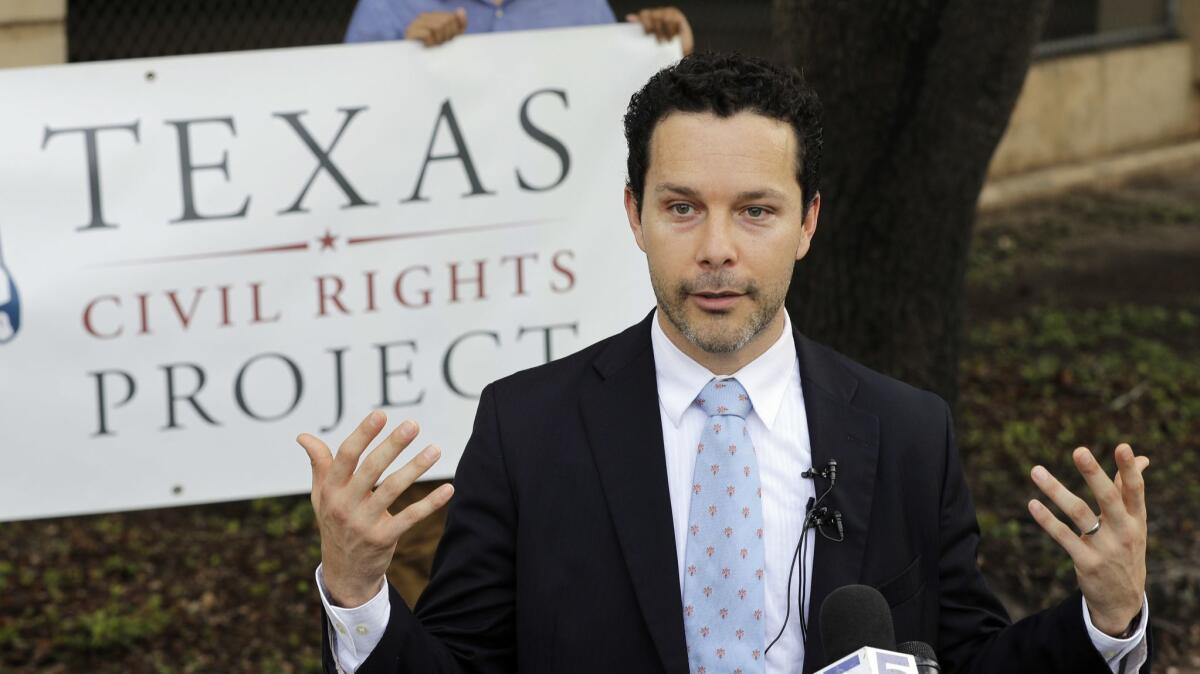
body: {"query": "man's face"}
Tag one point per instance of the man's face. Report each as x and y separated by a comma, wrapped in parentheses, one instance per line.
(722, 224)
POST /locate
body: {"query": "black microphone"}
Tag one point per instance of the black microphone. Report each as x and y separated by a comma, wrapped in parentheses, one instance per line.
(923, 652)
(829, 472)
(852, 617)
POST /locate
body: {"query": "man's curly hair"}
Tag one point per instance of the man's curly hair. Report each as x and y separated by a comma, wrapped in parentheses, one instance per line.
(726, 84)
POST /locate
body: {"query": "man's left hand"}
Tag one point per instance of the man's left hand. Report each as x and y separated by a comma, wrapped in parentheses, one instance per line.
(1110, 562)
(665, 23)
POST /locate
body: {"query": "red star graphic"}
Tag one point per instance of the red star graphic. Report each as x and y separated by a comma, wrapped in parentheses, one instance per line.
(327, 241)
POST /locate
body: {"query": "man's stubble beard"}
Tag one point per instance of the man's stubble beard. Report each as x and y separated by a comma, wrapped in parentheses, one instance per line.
(673, 303)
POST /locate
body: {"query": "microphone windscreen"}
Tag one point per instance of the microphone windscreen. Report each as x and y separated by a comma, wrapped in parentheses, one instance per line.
(855, 616)
(917, 649)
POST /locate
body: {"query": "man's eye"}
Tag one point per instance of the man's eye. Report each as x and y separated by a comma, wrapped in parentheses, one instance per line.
(756, 212)
(681, 209)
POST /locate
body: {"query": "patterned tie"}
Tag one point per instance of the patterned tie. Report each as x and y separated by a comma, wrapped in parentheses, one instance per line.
(723, 585)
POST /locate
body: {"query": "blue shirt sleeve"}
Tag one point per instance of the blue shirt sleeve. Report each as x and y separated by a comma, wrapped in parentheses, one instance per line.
(603, 13)
(378, 20)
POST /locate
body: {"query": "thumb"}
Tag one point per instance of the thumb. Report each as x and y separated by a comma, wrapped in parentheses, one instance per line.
(461, 14)
(631, 18)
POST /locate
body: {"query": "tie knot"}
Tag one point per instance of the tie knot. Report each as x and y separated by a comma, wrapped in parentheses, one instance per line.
(724, 396)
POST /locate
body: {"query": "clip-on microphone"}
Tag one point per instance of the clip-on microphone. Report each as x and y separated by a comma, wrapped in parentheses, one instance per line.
(815, 517)
(829, 472)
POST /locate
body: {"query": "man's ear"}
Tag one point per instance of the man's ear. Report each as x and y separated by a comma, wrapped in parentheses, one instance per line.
(808, 228)
(633, 212)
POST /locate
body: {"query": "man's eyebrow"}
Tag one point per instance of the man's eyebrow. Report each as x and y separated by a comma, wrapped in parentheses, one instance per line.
(749, 195)
(766, 193)
(678, 189)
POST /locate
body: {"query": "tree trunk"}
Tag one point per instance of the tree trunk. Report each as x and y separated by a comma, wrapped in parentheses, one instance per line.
(917, 94)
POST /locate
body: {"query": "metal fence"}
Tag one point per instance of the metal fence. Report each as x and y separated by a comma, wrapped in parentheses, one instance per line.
(112, 29)
(99, 30)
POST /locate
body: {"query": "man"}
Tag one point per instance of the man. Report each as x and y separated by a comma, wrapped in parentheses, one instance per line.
(434, 22)
(638, 506)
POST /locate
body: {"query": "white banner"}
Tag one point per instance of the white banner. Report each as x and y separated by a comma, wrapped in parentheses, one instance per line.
(204, 256)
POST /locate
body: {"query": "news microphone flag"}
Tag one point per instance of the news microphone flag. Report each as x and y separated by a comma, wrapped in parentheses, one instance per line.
(869, 660)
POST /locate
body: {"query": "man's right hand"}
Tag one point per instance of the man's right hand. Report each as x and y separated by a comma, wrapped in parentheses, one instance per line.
(434, 28)
(358, 534)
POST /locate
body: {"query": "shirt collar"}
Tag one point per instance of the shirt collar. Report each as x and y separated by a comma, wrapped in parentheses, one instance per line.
(680, 379)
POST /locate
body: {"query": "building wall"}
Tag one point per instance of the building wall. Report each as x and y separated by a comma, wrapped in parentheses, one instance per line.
(1083, 107)
(32, 32)
(1189, 25)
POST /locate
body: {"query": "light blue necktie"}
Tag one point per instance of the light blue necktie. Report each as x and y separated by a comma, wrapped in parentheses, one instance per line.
(723, 579)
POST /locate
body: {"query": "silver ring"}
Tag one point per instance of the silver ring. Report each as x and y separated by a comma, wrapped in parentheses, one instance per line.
(1093, 530)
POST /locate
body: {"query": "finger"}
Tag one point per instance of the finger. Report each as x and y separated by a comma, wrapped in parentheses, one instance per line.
(391, 488)
(405, 519)
(1129, 479)
(451, 27)
(660, 26)
(1061, 533)
(647, 21)
(381, 457)
(461, 15)
(446, 31)
(346, 459)
(1106, 493)
(1142, 463)
(423, 34)
(1073, 506)
(418, 24)
(631, 18)
(318, 455)
(671, 22)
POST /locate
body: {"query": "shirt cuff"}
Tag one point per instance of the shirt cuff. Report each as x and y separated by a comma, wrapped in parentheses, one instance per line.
(1115, 650)
(355, 632)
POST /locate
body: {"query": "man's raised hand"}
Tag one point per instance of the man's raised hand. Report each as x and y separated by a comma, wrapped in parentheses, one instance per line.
(358, 534)
(1109, 550)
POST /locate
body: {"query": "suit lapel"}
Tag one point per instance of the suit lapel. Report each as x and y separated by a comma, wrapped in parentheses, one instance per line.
(839, 431)
(624, 429)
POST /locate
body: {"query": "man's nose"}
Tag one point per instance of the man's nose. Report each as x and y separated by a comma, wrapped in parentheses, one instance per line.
(717, 247)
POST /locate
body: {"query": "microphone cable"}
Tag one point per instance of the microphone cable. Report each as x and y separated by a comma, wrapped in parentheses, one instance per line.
(814, 516)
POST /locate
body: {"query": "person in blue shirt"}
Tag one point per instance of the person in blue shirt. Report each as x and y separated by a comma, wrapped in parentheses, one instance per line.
(436, 21)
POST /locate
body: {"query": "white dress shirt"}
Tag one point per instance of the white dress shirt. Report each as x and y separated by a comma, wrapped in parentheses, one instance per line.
(779, 429)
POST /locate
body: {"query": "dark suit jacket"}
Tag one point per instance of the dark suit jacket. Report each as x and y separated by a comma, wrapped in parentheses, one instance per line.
(559, 551)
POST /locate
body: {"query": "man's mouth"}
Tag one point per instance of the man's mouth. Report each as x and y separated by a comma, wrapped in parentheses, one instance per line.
(716, 300)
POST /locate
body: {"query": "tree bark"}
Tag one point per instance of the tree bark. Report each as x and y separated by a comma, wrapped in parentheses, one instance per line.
(917, 94)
